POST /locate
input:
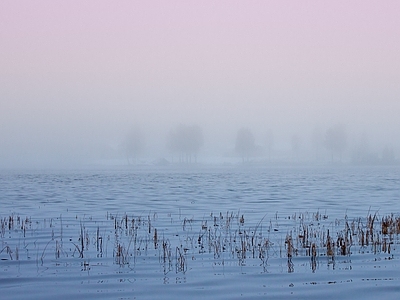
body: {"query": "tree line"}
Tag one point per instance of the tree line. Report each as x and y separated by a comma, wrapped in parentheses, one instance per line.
(184, 143)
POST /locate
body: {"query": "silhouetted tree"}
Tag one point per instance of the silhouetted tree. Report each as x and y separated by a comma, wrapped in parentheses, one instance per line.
(134, 144)
(245, 143)
(317, 141)
(388, 156)
(186, 140)
(336, 140)
(361, 153)
(296, 143)
(269, 142)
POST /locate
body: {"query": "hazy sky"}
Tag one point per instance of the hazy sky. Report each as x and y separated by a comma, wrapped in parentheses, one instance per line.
(76, 75)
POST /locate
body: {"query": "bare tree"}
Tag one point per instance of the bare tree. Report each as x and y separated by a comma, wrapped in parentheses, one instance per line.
(134, 144)
(245, 143)
(361, 154)
(336, 140)
(186, 141)
(269, 142)
(388, 156)
(296, 143)
(317, 141)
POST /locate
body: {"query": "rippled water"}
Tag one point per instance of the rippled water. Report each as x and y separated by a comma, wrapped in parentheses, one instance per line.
(53, 212)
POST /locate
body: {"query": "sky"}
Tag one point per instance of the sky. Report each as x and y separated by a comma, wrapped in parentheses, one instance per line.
(76, 76)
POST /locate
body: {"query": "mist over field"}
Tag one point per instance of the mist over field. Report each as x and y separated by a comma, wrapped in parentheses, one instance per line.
(101, 83)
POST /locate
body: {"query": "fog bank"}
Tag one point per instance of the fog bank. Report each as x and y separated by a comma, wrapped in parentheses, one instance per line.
(76, 79)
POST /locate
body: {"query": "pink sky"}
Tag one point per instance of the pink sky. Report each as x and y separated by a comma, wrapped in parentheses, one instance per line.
(68, 67)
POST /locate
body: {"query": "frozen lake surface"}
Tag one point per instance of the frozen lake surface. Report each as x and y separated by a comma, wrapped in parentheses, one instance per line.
(222, 233)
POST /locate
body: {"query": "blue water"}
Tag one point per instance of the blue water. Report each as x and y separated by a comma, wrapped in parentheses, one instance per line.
(283, 190)
(178, 202)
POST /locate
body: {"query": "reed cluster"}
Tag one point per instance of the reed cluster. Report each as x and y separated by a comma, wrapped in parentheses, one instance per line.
(220, 237)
